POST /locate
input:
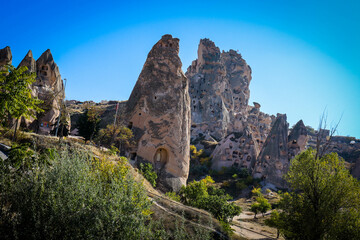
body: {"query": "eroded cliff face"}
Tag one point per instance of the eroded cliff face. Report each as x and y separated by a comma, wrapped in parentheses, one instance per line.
(47, 87)
(219, 91)
(273, 161)
(5, 56)
(158, 112)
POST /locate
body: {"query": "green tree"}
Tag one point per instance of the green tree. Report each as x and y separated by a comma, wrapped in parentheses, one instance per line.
(255, 208)
(264, 205)
(202, 195)
(119, 135)
(148, 172)
(325, 201)
(88, 123)
(274, 221)
(15, 94)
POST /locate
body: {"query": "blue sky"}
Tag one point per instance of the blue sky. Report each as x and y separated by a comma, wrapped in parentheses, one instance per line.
(304, 54)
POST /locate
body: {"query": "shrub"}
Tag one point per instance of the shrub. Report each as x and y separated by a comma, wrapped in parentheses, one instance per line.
(201, 195)
(147, 171)
(173, 196)
(75, 197)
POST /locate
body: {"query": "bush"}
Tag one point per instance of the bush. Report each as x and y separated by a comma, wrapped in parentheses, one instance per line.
(173, 196)
(201, 195)
(75, 197)
(147, 171)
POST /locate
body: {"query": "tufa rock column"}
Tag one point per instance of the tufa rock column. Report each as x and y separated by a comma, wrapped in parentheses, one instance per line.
(158, 112)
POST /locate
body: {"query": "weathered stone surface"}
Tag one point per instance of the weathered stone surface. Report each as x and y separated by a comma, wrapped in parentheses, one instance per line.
(158, 111)
(273, 162)
(49, 88)
(29, 62)
(297, 140)
(219, 91)
(5, 56)
(239, 149)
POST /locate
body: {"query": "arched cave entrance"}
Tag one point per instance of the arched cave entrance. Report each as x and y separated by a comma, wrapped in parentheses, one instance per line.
(160, 159)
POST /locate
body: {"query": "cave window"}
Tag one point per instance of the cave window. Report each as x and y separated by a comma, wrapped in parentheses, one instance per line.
(130, 125)
(170, 44)
(248, 158)
(133, 156)
(139, 114)
(294, 141)
(155, 97)
(44, 68)
(43, 73)
(161, 156)
(194, 107)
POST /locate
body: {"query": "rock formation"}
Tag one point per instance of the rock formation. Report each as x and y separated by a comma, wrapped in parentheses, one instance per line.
(29, 62)
(158, 112)
(5, 56)
(273, 161)
(219, 91)
(297, 140)
(47, 87)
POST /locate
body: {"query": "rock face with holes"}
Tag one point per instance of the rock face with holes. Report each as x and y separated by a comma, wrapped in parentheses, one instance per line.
(48, 87)
(273, 161)
(158, 112)
(5, 56)
(297, 140)
(219, 91)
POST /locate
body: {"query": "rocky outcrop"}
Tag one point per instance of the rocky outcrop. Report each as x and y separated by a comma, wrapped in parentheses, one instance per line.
(273, 161)
(48, 88)
(29, 62)
(219, 91)
(5, 56)
(297, 140)
(158, 112)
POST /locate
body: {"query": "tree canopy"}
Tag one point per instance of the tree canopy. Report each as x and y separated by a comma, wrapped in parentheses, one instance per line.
(324, 202)
(15, 93)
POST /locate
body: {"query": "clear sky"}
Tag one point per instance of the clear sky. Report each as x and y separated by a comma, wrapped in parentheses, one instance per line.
(305, 55)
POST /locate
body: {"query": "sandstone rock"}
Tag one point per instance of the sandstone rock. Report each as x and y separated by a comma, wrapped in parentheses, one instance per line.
(273, 162)
(158, 111)
(49, 88)
(297, 139)
(5, 56)
(29, 62)
(239, 149)
(219, 90)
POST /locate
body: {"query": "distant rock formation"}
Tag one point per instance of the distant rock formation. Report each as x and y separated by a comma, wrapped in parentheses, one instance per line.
(5, 56)
(297, 140)
(158, 112)
(273, 160)
(219, 91)
(48, 87)
(29, 62)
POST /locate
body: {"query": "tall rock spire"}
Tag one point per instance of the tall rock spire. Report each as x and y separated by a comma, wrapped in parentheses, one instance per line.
(5, 56)
(29, 62)
(273, 161)
(49, 88)
(219, 90)
(158, 112)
